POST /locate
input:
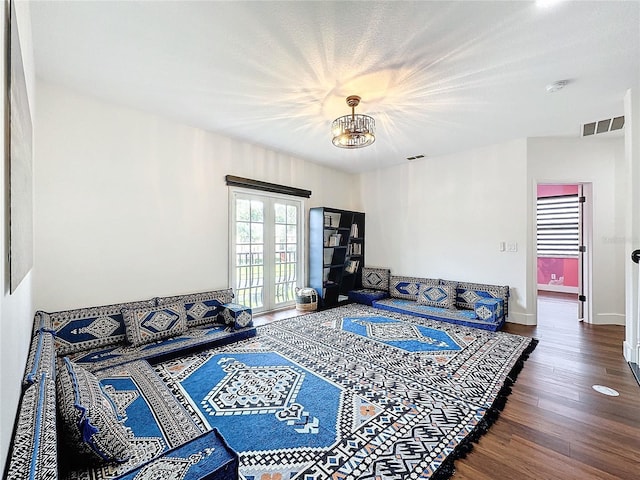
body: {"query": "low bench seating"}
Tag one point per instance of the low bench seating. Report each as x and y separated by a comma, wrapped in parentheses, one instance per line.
(105, 355)
(375, 286)
(206, 457)
(472, 304)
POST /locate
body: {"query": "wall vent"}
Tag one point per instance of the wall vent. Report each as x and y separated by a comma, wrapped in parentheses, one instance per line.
(603, 126)
(415, 157)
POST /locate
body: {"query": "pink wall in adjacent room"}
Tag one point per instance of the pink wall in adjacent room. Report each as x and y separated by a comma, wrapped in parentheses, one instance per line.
(555, 190)
(558, 271)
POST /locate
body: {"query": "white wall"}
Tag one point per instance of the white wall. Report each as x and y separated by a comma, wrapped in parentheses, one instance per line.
(445, 217)
(16, 310)
(632, 239)
(131, 205)
(601, 162)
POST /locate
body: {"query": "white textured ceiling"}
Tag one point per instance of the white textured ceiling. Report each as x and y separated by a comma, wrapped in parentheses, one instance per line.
(438, 77)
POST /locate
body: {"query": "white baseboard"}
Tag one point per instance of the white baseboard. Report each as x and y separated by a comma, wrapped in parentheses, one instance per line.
(610, 319)
(631, 352)
(522, 318)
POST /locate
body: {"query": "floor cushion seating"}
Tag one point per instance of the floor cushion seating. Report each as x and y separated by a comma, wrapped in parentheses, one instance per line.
(34, 449)
(460, 317)
(206, 457)
(473, 304)
(375, 286)
(195, 338)
(159, 423)
(366, 296)
(164, 438)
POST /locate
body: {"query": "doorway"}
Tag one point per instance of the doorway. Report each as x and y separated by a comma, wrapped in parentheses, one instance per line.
(562, 245)
(266, 260)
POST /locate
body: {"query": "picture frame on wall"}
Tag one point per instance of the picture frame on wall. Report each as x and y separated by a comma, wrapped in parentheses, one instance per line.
(20, 162)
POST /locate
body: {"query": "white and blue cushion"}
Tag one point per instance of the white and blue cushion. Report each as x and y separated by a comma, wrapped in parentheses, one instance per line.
(408, 287)
(442, 296)
(450, 315)
(87, 328)
(468, 294)
(489, 309)
(34, 451)
(149, 324)
(42, 322)
(41, 359)
(236, 316)
(90, 423)
(202, 308)
(204, 336)
(207, 456)
(366, 296)
(375, 278)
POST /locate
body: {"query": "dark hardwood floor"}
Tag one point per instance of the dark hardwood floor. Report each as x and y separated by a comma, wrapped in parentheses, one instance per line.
(555, 426)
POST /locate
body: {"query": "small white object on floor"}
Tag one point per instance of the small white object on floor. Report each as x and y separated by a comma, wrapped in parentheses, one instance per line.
(605, 390)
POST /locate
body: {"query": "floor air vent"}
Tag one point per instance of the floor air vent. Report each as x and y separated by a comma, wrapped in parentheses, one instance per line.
(603, 126)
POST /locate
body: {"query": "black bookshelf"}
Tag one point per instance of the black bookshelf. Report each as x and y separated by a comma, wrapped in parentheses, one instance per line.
(336, 253)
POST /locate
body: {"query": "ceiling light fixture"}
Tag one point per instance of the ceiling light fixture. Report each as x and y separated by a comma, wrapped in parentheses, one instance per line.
(353, 131)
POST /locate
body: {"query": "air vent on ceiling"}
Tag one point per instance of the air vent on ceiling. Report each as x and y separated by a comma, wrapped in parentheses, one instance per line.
(415, 157)
(603, 126)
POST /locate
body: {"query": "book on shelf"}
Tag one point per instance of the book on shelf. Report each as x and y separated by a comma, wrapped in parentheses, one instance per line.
(332, 220)
(325, 274)
(352, 266)
(354, 230)
(328, 257)
(355, 249)
(334, 239)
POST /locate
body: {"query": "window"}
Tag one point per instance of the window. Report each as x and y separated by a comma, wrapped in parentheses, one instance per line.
(558, 221)
(266, 249)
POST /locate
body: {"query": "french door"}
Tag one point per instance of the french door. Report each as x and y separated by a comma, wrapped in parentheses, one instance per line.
(266, 263)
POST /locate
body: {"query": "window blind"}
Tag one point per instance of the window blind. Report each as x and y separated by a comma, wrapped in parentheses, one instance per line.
(558, 224)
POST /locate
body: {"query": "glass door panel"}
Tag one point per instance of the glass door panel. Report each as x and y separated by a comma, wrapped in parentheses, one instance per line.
(249, 256)
(266, 264)
(286, 247)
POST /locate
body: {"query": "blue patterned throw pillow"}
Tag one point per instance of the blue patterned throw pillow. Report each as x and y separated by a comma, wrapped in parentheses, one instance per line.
(202, 308)
(407, 288)
(443, 296)
(90, 423)
(468, 294)
(145, 325)
(375, 278)
(86, 328)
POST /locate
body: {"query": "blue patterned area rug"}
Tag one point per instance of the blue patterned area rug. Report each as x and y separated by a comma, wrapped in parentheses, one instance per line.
(351, 393)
